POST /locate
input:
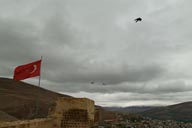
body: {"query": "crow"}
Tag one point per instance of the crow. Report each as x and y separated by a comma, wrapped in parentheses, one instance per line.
(103, 83)
(138, 19)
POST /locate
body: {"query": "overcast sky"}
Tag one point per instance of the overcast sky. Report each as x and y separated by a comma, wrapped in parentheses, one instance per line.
(84, 41)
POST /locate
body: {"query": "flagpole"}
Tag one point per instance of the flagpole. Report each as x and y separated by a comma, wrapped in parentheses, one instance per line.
(37, 98)
(40, 74)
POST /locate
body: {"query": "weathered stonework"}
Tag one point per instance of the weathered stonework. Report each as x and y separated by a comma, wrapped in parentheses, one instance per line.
(68, 113)
(36, 123)
(73, 113)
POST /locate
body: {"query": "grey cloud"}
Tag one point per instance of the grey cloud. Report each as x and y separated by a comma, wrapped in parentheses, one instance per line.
(84, 73)
(130, 99)
(18, 42)
(158, 88)
(84, 41)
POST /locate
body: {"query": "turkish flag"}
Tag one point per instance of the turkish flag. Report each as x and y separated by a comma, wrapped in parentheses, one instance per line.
(28, 70)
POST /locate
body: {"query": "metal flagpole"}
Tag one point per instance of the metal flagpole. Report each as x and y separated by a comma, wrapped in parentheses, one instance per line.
(40, 73)
(37, 98)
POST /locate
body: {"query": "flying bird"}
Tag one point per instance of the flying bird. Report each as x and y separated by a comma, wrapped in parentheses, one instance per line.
(138, 19)
(103, 83)
(92, 82)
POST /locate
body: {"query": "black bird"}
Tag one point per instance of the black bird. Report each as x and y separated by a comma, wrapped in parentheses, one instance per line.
(92, 82)
(138, 19)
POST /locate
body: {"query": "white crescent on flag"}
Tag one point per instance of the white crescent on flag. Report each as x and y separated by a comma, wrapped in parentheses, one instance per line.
(34, 69)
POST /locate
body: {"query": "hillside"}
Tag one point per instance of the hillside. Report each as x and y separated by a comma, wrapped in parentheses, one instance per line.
(131, 109)
(21, 100)
(6, 117)
(179, 112)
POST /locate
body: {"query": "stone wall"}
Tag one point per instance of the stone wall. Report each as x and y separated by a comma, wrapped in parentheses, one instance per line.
(73, 113)
(68, 113)
(36, 123)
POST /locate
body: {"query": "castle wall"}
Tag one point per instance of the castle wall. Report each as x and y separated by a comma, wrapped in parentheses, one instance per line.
(68, 113)
(73, 113)
(36, 123)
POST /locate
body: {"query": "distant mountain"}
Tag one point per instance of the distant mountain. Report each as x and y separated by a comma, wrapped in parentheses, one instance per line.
(179, 112)
(131, 109)
(25, 101)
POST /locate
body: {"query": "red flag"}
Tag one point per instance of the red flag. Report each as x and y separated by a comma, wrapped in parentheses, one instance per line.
(28, 70)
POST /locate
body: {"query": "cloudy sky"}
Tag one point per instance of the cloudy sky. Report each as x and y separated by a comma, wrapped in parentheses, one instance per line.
(84, 41)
